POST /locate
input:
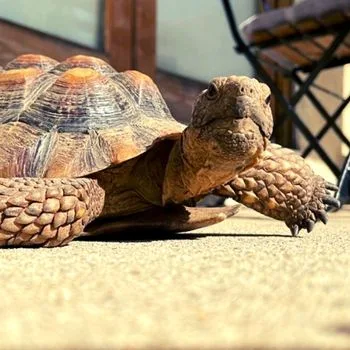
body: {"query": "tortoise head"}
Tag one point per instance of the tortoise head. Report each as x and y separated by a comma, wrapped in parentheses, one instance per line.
(229, 131)
(235, 111)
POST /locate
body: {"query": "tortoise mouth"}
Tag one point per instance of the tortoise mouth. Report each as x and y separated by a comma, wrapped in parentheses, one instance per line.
(245, 107)
(238, 143)
(263, 128)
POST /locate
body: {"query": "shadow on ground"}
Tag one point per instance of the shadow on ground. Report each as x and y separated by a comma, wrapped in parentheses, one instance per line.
(343, 329)
(149, 236)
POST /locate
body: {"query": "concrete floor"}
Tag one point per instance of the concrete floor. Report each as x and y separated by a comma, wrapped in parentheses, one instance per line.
(240, 284)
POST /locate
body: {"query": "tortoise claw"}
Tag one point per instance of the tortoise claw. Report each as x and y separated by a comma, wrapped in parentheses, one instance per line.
(310, 225)
(322, 215)
(294, 230)
(333, 202)
(331, 187)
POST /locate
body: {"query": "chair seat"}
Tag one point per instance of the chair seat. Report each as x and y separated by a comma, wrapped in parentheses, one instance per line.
(297, 36)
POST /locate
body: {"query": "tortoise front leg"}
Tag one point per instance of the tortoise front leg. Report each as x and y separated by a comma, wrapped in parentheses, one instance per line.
(284, 187)
(46, 212)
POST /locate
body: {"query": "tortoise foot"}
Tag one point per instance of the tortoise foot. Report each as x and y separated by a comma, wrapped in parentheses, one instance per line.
(283, 186)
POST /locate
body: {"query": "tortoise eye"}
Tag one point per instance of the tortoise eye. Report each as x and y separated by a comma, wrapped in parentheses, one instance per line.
(212, 92)
(268, 100)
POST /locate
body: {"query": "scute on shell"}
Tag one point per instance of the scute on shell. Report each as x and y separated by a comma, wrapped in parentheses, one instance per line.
(41, 62)
(76, 117)
(82, 61)
(15, 86)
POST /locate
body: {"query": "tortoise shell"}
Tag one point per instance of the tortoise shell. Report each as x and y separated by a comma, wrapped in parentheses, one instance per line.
(77, 117)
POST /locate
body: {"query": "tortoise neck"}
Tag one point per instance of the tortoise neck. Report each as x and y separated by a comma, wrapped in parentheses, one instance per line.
(195, 167)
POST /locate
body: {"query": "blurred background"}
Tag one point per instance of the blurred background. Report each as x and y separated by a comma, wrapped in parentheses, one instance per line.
(181, 44)
(163, 38)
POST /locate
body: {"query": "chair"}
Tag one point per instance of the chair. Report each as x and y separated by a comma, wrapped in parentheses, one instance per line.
(304, 38)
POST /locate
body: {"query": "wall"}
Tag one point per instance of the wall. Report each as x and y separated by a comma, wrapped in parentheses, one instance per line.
(80, 21)
(194, 39)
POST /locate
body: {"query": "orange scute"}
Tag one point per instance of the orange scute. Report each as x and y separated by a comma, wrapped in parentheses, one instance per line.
(79, 75)
(137, 76)
(33, 60)
(15, 76)
(30, 57)
(83, 58)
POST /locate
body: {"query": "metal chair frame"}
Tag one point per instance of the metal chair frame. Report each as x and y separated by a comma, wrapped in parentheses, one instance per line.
(328, 60)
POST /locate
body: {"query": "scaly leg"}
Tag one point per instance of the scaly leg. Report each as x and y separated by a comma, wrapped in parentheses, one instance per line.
(284, 187)
(46, 212)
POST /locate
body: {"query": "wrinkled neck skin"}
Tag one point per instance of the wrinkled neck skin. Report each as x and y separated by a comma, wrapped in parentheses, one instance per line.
(199, 162)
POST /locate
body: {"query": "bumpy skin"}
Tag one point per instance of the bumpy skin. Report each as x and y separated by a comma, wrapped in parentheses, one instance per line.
(283, 186)
(46, 212)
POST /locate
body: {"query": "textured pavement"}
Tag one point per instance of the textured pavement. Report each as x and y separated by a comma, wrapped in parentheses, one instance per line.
(240, 284)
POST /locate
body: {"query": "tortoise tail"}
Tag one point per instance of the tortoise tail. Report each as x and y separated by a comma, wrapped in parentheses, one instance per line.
(46, 212)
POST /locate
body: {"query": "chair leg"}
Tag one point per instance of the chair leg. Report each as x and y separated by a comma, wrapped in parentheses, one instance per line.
(315, 69)
(344, 185)
(289, 108)
(330, 119)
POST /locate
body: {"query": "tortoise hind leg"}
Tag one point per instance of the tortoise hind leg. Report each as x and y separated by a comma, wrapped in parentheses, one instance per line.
(176, 218)
(46, 212)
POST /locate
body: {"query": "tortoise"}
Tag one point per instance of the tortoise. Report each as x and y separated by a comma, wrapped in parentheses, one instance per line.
(87, 150)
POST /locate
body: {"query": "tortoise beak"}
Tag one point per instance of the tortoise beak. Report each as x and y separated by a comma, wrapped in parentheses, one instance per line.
(246, 107)
(265, 126)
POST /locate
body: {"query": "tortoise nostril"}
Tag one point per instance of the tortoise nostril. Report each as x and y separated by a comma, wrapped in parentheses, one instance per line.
(238, 112)
(240, 108)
